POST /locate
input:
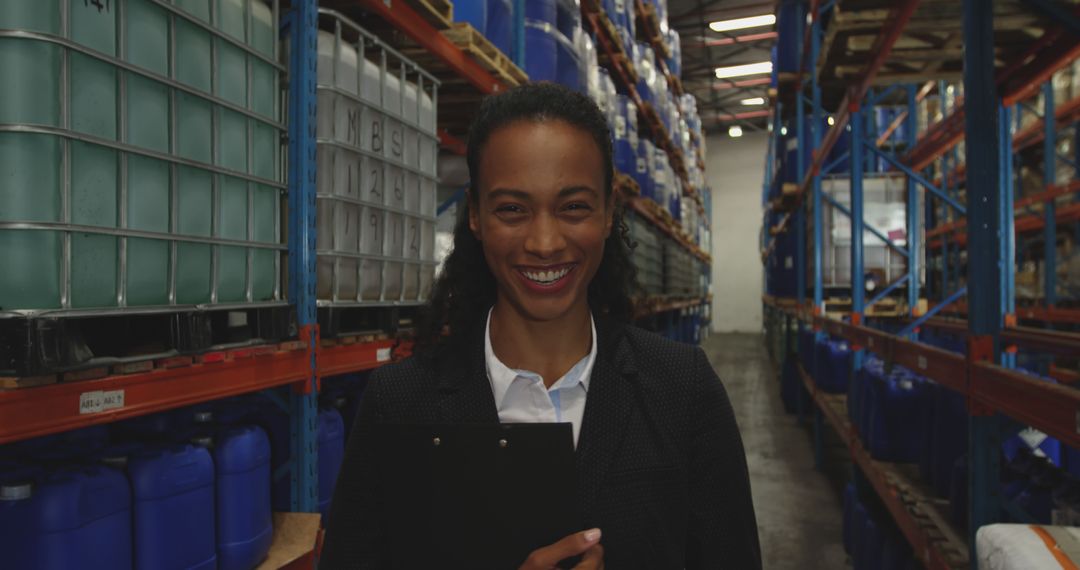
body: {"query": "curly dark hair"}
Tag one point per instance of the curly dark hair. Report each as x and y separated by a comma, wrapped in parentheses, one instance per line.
(466, 288)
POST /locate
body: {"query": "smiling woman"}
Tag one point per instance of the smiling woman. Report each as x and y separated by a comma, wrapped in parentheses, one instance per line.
(529, 322)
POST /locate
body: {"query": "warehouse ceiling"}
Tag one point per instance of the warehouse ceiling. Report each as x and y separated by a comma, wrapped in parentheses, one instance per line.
(703, 50)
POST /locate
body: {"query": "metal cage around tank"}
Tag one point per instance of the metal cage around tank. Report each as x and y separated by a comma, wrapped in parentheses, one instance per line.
(376, 170)
(136, 173)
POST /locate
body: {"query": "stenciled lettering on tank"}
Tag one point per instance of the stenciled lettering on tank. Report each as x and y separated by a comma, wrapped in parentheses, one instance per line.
(376, 135)
(396, 142)
(399, 186)
(353, 132)
(350, 188)
(414, 238)
(376, 186)
(374, 220)
(101, 5)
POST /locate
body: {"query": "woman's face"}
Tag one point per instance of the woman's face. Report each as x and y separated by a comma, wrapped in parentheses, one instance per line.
(541, 215)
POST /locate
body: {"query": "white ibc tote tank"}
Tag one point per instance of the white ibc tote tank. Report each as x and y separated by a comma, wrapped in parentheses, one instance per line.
(377, 165)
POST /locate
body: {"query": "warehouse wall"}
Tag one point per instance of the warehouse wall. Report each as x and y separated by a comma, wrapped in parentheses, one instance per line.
(734, 168)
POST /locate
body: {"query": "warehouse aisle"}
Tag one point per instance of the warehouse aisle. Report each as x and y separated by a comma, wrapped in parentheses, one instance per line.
(799, 511)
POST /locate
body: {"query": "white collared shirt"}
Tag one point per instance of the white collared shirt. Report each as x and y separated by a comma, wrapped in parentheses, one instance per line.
(521, 397)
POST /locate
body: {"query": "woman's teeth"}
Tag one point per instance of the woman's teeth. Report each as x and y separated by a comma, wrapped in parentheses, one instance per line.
(546, 277)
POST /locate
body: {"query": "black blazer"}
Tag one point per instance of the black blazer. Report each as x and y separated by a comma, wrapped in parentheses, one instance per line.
(660, 464)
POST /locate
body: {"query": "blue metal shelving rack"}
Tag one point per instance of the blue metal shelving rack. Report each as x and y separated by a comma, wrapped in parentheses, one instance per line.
(988, 119)
(301, 25)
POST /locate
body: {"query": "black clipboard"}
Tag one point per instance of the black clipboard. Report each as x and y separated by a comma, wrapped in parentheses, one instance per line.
(475, 497)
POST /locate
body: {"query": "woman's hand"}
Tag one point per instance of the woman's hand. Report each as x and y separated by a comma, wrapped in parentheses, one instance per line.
(585, 542)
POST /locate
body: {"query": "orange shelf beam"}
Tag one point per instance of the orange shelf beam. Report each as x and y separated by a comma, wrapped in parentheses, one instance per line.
(347, 358)
(1048, 407)
(32, 412)
(1023, 224)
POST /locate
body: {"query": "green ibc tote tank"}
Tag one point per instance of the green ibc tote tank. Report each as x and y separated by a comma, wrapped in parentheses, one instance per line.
(132, 176)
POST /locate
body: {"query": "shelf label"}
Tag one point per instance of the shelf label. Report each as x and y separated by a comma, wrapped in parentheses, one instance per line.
(382, 354)
(112, 400)
(922, 362)
(91, 402)
(100, 401)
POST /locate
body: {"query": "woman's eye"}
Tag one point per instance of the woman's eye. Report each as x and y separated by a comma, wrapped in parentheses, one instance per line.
(579, 207)
(509, 208)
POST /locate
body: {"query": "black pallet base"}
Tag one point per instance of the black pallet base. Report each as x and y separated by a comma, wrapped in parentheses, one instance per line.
(336, 322)
(38, 345)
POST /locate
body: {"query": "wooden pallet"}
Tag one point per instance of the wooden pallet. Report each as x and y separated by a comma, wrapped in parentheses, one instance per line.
(884, 308)
(149, 363)
(9, 383)
(438, 13)
(628, 185)
(466, 38)
(353, 339)
(651, 27)
(619, 60)
(676, 84)
(120, 342)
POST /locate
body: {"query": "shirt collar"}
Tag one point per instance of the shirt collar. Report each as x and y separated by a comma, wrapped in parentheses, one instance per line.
(501, 376)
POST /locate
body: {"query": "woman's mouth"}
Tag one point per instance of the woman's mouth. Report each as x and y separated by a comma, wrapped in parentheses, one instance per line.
(547, 278)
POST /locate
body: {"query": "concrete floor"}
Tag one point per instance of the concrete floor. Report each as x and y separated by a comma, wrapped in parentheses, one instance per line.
(799, 509)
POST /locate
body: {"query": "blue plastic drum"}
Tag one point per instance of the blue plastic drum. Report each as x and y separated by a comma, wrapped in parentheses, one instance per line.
(625, 138)
(331, 454)
(500, 24)
(569, 63)
(542, 11)
(81, 518)
(541, 54)
(173, 491)
(242, 468)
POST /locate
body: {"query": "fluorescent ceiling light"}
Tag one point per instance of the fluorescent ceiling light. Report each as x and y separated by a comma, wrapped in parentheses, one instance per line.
(783, 131)
(753, 101)
(831, 120)
(746, 69)
(743, 23)
(735, 131)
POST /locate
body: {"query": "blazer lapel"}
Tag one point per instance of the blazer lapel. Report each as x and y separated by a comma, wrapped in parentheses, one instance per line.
(464, 390)
(607, 410)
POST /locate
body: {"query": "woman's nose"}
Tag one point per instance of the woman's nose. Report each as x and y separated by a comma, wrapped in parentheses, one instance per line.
(545, 237)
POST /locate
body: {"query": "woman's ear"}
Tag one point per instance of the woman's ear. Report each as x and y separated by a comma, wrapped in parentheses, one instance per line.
(612, 203)
(471, 208)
